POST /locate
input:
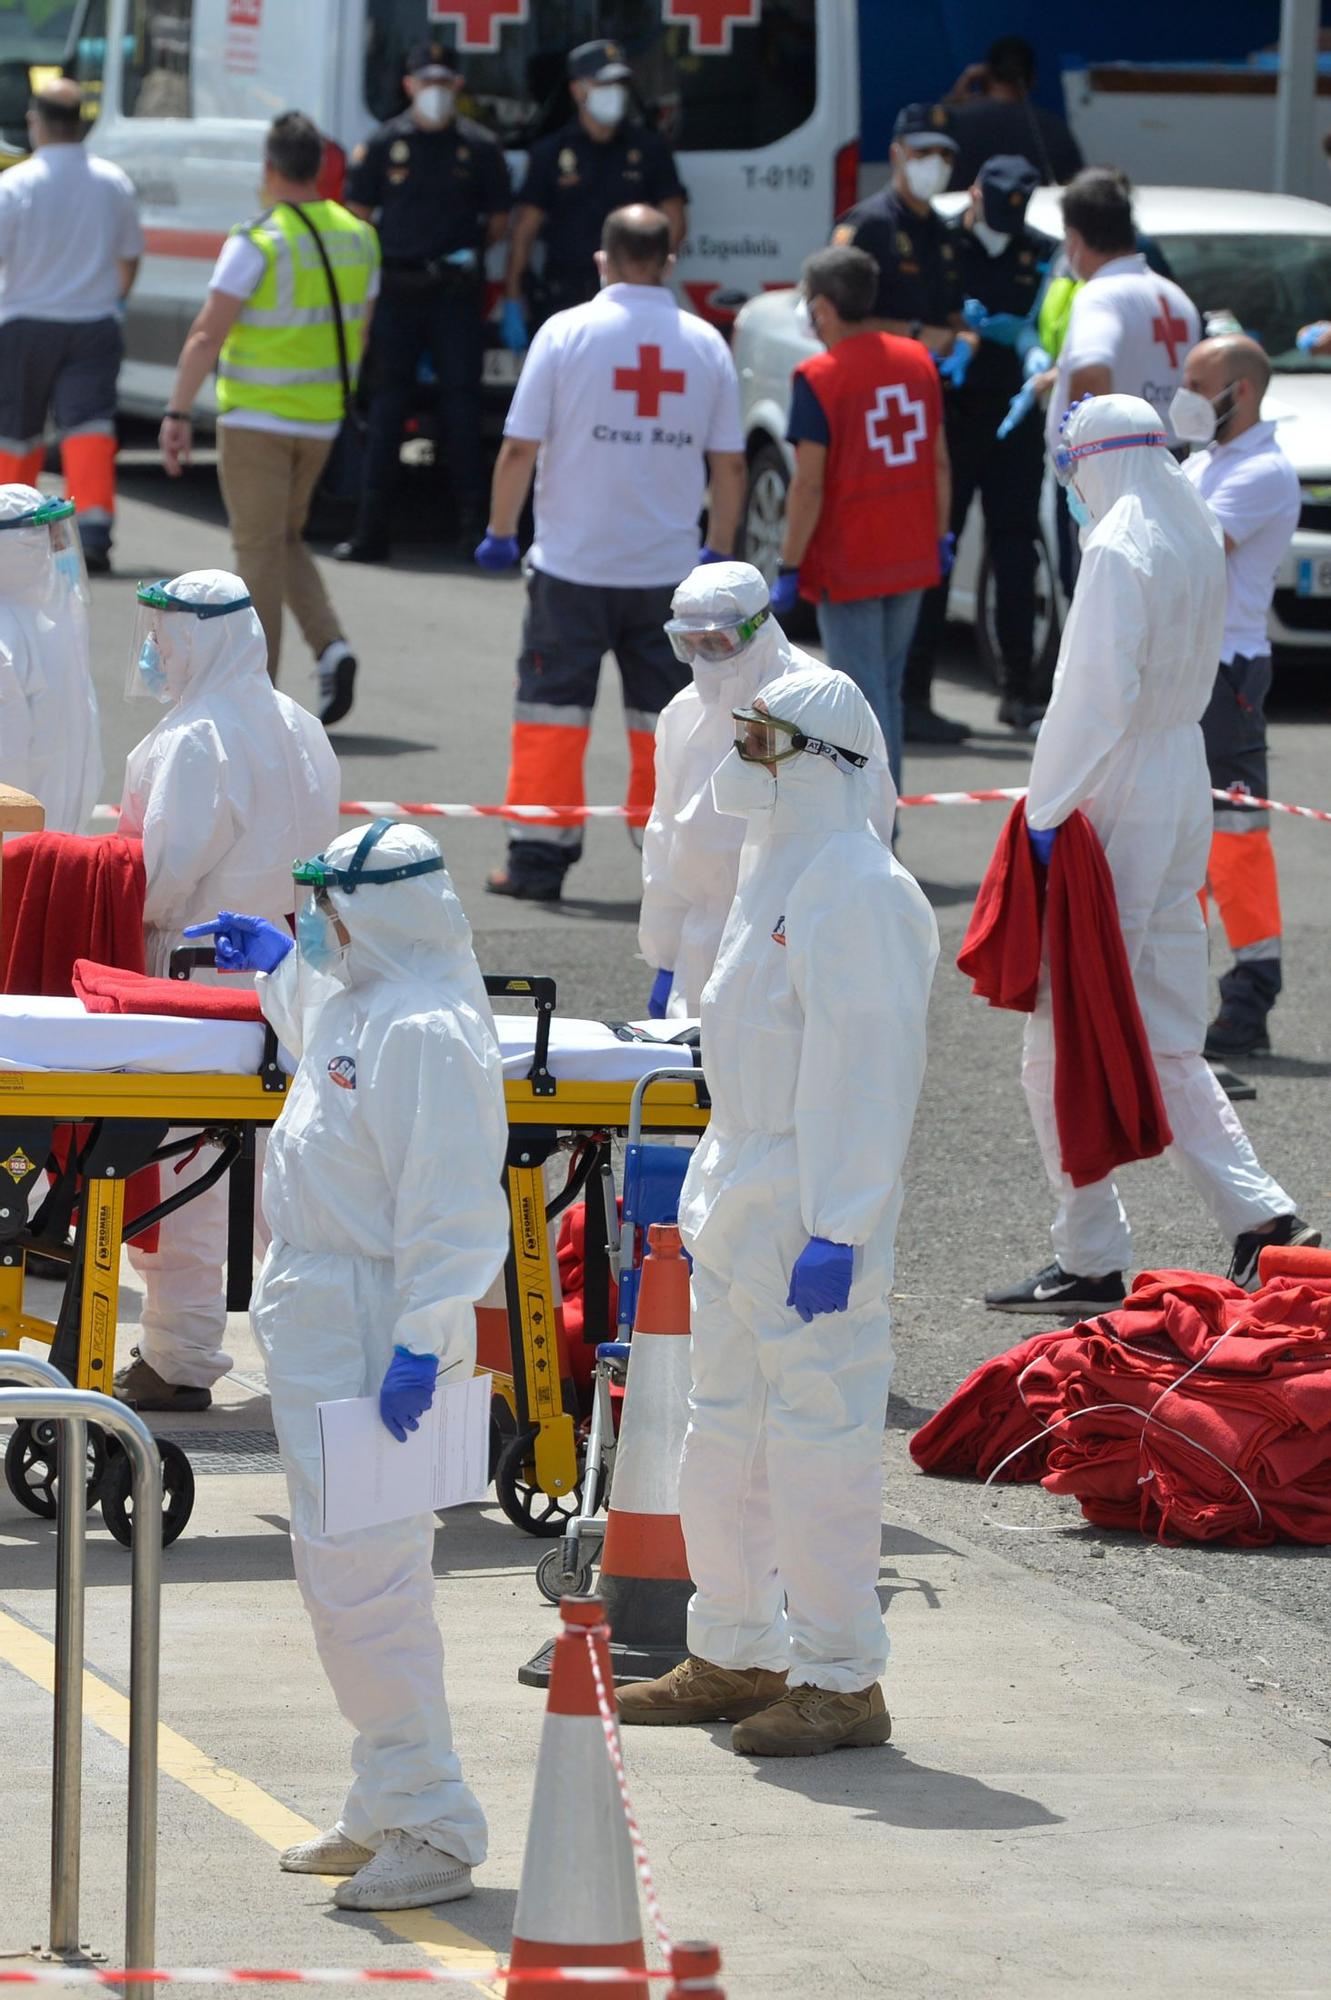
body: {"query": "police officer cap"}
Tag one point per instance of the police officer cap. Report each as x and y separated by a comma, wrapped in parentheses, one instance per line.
(1006, 184)
(427, 56)
(924, 125)
(603, 61)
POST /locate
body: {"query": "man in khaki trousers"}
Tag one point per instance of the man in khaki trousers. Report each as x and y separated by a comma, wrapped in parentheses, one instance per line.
(270, 328)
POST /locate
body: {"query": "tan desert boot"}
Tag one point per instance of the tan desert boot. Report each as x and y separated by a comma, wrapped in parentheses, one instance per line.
(808, 1721)
(696, 1691)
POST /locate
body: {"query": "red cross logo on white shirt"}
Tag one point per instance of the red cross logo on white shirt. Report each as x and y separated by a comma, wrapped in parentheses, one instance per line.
(1170, 333)
(712, 23)
(478, 21)
(649, 381)
(895, 425)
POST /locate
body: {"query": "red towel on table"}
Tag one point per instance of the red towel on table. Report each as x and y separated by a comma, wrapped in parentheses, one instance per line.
(67, 897)
(1107, 1099)
(106, 989)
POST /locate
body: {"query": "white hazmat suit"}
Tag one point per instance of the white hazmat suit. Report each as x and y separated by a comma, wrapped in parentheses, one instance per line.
(813, 1041)
(231, 786)
(1122, 741)
(690, 851)
(50, 731)
(382, 1190)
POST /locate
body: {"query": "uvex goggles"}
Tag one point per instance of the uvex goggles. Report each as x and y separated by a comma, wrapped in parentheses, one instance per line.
(1068, 456)
(320, 874)
(690, 642)
(765, 739)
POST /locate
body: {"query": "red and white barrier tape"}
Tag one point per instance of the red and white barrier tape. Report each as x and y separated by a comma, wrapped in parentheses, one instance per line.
(576, 815)
(610, 1728)
(56, 1974)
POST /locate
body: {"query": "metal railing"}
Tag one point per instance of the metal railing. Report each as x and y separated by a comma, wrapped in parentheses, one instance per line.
(50, 1399)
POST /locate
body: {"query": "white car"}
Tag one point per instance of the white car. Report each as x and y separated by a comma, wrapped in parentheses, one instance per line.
(1266, 258)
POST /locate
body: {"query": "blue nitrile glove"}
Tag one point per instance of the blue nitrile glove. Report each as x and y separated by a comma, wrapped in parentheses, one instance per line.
(952, 367)
(947, 552)
(660, 996)
(1042, 842)
(820, 1281)
(785, 592)
(407, 1391)
(244, 944)
(462, 260)
(497, 552)
(709, 555)
(972, 312)
(1308, 336)
(513, 326)
(1035, 360)
(1001, 328)
(1017, 411)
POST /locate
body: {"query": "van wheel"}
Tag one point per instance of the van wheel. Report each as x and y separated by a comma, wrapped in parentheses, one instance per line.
(1047, 628)
(761, 526)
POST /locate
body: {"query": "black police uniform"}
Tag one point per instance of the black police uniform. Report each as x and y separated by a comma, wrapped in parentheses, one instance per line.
(431, 193)
(918, 278)
(1007, 473)
(576, 181)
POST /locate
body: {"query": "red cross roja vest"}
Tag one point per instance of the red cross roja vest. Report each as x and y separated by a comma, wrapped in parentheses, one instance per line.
(877, 534)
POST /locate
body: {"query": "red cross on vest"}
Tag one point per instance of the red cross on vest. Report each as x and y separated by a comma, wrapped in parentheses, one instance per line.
(1169, 332)
(477, 21)
(895, 424)
(649, 381)
(711, 23)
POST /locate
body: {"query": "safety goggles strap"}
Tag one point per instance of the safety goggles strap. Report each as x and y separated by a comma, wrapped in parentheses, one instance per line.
(821, 748)
(43, 516)
(158, 598)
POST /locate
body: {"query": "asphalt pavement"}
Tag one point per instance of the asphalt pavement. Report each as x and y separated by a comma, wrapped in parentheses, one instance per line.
(1079, 1673)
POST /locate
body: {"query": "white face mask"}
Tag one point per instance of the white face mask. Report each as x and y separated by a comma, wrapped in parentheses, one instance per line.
(607, 103)
(993, 241)
(1192, 417)
(739, 788)
(434, 103)
(927, 176)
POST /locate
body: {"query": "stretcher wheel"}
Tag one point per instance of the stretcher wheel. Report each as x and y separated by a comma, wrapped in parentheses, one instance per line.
(177, 1493)
(555, 1583)
(30, 1467)
(544, 1515)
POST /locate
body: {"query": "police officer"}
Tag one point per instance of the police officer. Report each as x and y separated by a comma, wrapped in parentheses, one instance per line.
(1001, 263)
(603, 159)
(919, 294)
(437, 187)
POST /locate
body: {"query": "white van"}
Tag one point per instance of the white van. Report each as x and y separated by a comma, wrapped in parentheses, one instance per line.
(760, 99)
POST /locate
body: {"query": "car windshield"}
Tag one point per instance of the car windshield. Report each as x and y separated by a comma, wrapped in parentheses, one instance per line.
(1273, 285)
(752, 90)
(34, 35)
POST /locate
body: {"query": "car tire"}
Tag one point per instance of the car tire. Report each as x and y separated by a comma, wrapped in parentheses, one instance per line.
(1048, 628)
(761, 525)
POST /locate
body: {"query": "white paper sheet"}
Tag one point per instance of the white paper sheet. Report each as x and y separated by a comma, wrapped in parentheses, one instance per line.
(369, 1478)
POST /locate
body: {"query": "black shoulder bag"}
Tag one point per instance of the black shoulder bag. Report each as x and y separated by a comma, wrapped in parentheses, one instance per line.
(344, 474)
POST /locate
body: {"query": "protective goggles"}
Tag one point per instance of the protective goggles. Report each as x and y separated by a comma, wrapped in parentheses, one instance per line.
(321, 875)
(765, 739)
(689, 642)
(1067, 456)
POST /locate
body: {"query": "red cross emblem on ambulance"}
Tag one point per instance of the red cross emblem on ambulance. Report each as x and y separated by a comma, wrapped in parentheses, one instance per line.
(895, 425)
(711, 23)
(649, 381)
(1170, 333)
(478, 22)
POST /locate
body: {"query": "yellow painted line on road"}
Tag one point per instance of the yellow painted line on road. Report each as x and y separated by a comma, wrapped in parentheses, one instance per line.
(33, 1656)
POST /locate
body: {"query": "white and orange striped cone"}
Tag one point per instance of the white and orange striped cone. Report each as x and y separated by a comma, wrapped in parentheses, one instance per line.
(694, 1969)
(644, 1581)
(578, 1901)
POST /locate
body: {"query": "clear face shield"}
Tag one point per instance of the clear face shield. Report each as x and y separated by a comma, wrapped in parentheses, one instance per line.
(713, 645)
(51, 532)
(146, 675)
(764, 739)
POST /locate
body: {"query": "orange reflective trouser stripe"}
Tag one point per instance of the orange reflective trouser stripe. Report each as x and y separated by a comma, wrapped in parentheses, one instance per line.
(89, 463)
(1241, 875)
(20, 468)
(642, 776)
(545, 767)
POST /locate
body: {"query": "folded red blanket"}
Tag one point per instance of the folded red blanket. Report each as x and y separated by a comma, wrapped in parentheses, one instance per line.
(105, 989)
(67, 897)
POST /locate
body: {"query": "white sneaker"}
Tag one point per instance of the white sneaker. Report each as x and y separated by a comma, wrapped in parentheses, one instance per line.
(406, 1874)
(336, 671)
(330, 1853)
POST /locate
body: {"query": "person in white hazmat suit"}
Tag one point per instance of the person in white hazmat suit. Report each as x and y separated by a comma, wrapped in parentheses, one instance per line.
(813, 1040)
(723, 629)
(1122, 741)
(233, 782)
(383, 1193)
(50, 730)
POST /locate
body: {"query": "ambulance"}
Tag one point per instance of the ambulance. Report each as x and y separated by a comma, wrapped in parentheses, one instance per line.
(759, 98)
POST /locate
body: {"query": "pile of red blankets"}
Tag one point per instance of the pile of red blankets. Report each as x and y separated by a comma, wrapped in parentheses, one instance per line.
(1198, 1412)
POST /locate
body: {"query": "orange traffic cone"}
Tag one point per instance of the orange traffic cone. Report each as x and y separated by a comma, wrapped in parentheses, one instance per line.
(644, 1581)
(694, 1969)
(578, 1902)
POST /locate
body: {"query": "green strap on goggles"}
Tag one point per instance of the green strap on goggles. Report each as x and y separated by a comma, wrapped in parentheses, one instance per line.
(320, 874)
(158, 598)
(43, 516)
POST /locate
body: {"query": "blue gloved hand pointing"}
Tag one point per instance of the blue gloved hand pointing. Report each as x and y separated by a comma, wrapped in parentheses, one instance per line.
(497, 552)
(660, 995)
(1042, 841)
(785, 592)
(820, 1281)
(1017, 410)
(513, 326)
(407, 1391)
(244, 944)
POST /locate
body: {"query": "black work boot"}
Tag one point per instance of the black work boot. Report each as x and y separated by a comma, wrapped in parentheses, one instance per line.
(1248, 992)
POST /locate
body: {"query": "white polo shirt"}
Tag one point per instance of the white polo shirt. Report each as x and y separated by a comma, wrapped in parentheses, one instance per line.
(625, 396)
(66, 216)
(1133, 322)
(1254, 493)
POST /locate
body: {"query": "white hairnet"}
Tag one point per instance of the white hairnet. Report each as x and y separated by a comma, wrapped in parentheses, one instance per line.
(413, 928)
(25, 553)
(1148, 471)
(205, 652)
(721, 593)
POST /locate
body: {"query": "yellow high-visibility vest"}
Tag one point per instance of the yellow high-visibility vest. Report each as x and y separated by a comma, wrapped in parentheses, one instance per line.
(281, 355)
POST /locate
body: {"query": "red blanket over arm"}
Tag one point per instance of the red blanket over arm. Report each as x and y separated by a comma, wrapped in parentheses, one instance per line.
(67, 897)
